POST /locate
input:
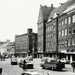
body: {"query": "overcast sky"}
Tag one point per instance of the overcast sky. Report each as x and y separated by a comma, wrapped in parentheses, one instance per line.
(16, 16)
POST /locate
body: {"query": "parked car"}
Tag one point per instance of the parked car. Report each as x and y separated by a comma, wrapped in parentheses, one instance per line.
(43, 60)
(28, 65)
(33, 73)
(53, 64)
(65, 60)
(14, 61)
(30, 58)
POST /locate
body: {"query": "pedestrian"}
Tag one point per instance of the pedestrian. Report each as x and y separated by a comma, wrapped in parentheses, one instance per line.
(24, 64)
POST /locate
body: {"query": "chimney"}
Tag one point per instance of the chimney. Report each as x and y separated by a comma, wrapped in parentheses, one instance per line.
(51, 5)
(29, 31)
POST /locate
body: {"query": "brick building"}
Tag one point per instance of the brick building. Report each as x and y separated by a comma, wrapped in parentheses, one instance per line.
(59, 31)
(42, 19)
(26, 44)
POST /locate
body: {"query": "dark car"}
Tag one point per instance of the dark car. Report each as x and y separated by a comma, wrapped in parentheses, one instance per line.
(28, 65)
(53, 64)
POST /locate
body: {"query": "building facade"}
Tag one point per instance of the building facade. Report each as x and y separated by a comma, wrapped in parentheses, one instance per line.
(59, 32)
(26, 44)
(42, 19)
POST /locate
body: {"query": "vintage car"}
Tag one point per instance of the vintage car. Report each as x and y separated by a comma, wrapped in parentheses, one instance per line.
(65, 60)
(28, 65)
(14, 61)
(53, 64)
(30, 58)
(33, 73)
(43, 60)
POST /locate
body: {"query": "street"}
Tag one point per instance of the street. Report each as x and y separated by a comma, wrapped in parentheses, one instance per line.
(15, 70)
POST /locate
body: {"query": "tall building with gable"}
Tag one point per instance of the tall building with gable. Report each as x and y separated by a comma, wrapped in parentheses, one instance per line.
(58, 32)
(44, 13)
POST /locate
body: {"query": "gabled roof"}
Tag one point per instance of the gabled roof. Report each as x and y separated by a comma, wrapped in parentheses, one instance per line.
(45, 12)
(61, 8)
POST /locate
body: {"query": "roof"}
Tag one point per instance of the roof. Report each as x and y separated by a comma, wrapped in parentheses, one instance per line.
(61, 8)
(46, 11)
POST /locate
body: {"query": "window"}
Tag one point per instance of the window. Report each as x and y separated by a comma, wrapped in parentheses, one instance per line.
(73, 41)
(73, 18)
(50, 28)
(69, 31)
(65, 32)
(65, 21)
(65, 42)
(69, 42)
(62, 22)
(73, 30)
(59, 43)
(69, 20)
(62, 43)
(54, 28)
(59, 33)
(62, 32)
(59, 23)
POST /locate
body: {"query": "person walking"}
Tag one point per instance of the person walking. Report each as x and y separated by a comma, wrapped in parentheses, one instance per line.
(24, 65)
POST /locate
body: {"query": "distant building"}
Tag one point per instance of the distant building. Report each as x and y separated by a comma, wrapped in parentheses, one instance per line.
(7, 48)
(26, 44)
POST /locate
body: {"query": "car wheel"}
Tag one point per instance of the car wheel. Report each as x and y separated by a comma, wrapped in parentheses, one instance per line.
(43, 67)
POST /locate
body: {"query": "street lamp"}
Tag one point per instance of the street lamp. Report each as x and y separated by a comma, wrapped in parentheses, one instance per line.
(33, 47)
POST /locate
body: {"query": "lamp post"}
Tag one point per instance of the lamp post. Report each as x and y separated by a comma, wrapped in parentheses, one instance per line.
(33, 47)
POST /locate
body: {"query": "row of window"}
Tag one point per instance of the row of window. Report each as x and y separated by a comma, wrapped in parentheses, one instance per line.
(50, 44)
(66, 32)
(67, 21)
(50, 28)
(40, 32)
(50, 35)
(40, 39)
(40, 25)
(68, 42)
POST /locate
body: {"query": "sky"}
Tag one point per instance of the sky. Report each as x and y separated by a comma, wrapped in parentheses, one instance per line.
(16, 16)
